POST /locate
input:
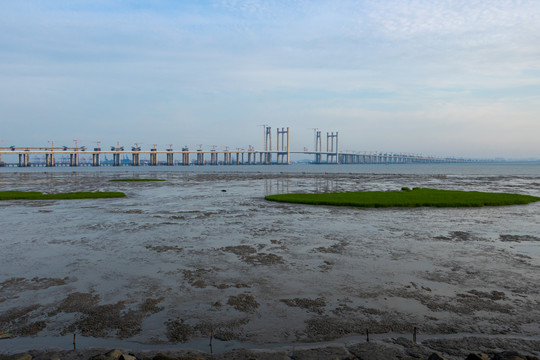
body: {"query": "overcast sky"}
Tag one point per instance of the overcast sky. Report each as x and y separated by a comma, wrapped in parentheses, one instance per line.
(448, 77)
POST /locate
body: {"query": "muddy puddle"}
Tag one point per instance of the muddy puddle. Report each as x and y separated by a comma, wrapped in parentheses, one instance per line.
(176, 261)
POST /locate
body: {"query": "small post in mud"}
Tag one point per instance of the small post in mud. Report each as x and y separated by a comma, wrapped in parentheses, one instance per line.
(211, 337)
(414, 335)
(367, 335)
(74, 341)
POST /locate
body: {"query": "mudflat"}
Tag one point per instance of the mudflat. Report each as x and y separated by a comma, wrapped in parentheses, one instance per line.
(178, 261)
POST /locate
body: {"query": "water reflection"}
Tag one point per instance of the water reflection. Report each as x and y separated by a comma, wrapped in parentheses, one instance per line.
(276, 186)
(325, 185)
(286, 185)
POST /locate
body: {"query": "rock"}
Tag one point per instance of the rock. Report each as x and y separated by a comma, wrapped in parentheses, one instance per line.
(21, 356)
(243, 354)
(111, 355)
(376, 351)
(114, 354)
(163, 357)
(436, 356)
(180, 356)
(509, 355)
(127, 357)
(416, 351)
(478, 356)
(327, 353)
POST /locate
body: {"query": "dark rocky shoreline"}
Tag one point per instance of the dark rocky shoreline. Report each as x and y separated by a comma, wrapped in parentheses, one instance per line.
(470, 348)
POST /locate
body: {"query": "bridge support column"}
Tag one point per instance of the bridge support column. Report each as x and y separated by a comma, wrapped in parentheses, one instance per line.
(332, 148)
(49, 160)
(23, 160)
(135, 160)
(185, 156)
(153, 158)
(170, 158)
(74, 159)
(116, 159)
(282, 146)
(200, 157)
(96, 159)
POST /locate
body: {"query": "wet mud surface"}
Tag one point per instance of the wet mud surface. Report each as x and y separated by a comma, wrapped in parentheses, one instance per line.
(179, 260)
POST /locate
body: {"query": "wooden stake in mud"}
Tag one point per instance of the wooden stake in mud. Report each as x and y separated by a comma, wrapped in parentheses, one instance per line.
(414, 335)
(211, 337)
(74, 341)
(367, 335)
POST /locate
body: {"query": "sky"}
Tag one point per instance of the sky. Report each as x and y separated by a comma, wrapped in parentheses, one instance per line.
(436, 77)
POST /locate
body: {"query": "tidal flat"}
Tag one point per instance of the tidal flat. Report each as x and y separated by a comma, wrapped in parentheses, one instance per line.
(175, 261)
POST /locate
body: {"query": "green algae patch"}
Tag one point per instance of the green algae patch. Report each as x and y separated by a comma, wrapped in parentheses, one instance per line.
(35, 195)
(137, 179)
(416, 197)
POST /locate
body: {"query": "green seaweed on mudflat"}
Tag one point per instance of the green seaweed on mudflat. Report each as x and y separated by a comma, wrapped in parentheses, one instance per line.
(36, 195)
(416, 197)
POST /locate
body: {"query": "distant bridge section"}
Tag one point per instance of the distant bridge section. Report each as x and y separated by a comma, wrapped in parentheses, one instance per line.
(71, 156)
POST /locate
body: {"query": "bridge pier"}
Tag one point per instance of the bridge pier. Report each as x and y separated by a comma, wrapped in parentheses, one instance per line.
(332, 147)
(283, 146)
(153, 157)
(185, 156)
(318, 147)
(135, 160)
(23, 160)
(49, 160)
(200, 157)
(116, 159)
(252, 158)
(74, 159)
(213, 157)
(170, 158)
(96, 159)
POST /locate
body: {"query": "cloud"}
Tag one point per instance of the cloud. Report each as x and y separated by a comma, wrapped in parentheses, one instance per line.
(343, 65)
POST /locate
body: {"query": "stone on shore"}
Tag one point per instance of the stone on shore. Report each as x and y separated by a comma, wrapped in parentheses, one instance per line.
(414, 350)
(512, 355)
(478, 356)
(20, 356)
(331, 352)
(436, 356)
(111, 355)
(377, 351)
(243, 354)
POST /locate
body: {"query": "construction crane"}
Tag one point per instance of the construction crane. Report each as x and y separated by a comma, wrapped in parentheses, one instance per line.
(76, 144)
(52, 144)
(118, 147)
